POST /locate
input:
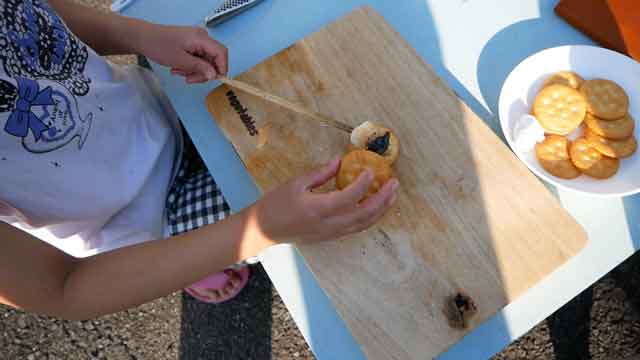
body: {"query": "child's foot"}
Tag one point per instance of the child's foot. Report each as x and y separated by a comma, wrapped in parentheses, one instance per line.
(220, 287)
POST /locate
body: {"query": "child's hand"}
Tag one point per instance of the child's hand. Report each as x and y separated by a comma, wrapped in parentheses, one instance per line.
(188, 51)
(294, 212)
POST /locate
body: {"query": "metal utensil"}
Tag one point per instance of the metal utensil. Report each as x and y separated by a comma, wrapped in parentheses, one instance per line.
(227, 10)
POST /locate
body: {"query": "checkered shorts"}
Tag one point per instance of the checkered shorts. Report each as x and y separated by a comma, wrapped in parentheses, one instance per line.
(194, 199)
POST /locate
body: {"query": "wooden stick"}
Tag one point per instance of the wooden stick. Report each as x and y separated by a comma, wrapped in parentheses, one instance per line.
(286, 104)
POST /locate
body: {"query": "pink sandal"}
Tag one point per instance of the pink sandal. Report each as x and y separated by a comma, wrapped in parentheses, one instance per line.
(212, 288)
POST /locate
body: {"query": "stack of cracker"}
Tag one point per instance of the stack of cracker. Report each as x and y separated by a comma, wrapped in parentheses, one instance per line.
(372, 146)
(598, 110)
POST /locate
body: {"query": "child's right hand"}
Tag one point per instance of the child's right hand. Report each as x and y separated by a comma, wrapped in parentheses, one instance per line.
(293, 212)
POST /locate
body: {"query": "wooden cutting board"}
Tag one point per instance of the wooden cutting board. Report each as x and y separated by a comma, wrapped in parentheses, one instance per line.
(470, 217)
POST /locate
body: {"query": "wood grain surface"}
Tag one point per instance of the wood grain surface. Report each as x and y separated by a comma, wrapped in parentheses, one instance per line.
(470, 217)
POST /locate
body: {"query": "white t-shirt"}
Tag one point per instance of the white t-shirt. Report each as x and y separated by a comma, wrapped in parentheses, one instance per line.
(87, 150)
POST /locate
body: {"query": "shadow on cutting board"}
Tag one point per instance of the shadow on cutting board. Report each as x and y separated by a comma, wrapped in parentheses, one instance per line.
(438, 274)
(444, 258)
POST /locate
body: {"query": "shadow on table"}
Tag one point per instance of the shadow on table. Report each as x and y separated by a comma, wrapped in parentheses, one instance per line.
(511, 45)
(237, 329)
(632, 211)
(570, 325)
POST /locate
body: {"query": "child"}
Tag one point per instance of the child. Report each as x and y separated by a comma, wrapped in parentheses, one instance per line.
(92, 161)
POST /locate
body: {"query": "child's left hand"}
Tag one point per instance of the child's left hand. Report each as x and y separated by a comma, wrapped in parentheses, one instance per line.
(188, 51)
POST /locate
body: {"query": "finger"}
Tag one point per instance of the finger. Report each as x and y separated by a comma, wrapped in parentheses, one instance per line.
(370, 208)
(195, 78)
(374, 219)
(212, 51)
(222, 63)
(320, 176)
(183, 72)
(175, 71)
(352, 194)
(193, 64)
(218, 53)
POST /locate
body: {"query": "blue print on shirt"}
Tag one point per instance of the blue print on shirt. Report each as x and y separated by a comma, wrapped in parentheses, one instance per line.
(45, 119)
(34, 43)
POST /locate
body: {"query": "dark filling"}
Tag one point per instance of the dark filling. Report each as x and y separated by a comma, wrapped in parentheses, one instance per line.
(380, 144)
(462, 303)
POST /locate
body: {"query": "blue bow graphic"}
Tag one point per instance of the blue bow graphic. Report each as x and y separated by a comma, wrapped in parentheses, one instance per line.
(22, 118)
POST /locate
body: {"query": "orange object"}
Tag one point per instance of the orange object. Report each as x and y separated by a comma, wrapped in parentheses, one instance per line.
(358, 161)
(614, 24)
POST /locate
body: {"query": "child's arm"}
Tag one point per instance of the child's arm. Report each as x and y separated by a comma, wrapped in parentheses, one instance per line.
(36, 277)
(188, 50)
(107, 33)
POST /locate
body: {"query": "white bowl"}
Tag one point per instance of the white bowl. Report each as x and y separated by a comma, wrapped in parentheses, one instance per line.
(524, 82)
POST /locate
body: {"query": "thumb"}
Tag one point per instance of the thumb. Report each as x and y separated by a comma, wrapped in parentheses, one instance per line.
(322, 175)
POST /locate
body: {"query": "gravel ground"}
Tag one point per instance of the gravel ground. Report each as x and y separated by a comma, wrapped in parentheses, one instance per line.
(254, 325)
(601, 323)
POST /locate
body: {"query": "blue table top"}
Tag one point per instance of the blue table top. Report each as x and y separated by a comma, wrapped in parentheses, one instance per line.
(472, 45)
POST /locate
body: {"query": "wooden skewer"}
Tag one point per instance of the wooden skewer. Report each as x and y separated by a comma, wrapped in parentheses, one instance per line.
(286, 104)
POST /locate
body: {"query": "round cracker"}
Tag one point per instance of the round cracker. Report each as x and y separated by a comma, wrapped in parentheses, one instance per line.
(587, 158)
(356, 162)
(363, 135)
(567, 78)
(618, 149)
(605, 99)
(560, 109)
(553, 156)
(611, 129)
